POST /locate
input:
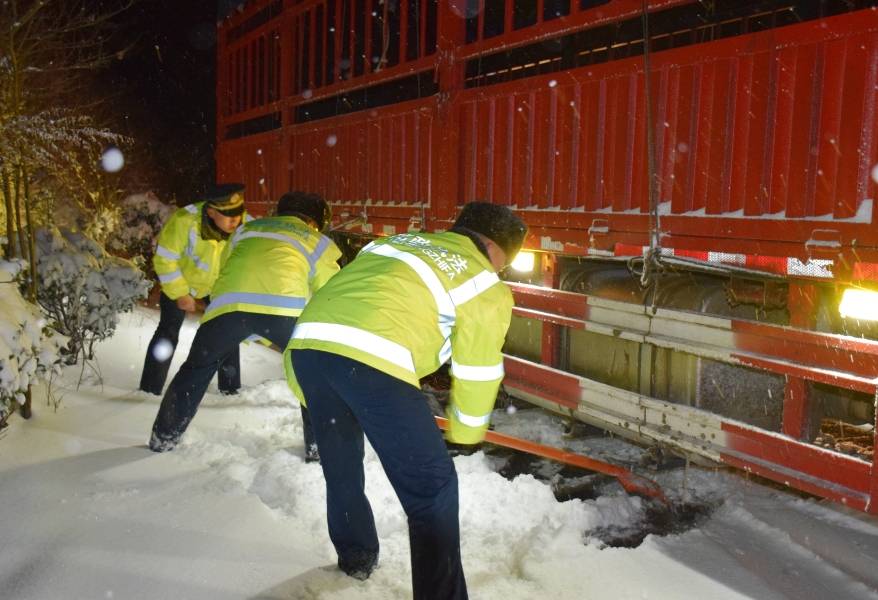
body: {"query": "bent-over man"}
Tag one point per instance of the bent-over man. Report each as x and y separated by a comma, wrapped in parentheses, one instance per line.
(407, 304)
(271, 268)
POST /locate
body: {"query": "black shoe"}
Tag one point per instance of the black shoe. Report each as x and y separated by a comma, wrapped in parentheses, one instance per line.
(229, 392)
(359, 569)
(157, 444)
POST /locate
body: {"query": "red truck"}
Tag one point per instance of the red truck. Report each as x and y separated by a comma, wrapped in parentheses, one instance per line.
(705, 253)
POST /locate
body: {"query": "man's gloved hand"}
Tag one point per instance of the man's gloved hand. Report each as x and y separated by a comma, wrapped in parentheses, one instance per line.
(186, 303)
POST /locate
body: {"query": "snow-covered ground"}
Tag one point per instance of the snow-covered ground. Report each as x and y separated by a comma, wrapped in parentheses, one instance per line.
(86, 511)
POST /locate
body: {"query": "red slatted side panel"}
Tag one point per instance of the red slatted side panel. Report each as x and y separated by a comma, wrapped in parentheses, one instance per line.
(614, 141)
(699, 150)
(590, 138)
(829, 125)
(567, 182)
(850, 132)
(679, 158)
(540, 128)
(379, 155)
(639, 185)
(747, 127)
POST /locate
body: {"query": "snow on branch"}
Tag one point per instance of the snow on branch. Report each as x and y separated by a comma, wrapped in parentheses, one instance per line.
(82, 289)
(29, 350)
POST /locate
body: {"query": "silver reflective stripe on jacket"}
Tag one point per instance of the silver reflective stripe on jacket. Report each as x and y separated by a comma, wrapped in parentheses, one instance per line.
(470, 420)
(477, 373)
(447, 313)
(446, 301)
(311, 257)
(164, 252)
(357, 338)
(170, 276)
(473, 287)
(271, 300)
(190, 251)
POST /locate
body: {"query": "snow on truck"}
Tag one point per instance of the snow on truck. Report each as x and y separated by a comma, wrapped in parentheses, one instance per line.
(703, 248)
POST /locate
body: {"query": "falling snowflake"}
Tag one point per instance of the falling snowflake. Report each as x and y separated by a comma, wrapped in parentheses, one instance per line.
(163, 350)
(112, 160)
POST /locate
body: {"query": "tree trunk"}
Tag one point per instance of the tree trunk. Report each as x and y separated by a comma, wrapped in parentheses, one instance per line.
(32, 255)
(31, 239)
(16, 202)
(26, 245)
(7, 201)
(26, 410)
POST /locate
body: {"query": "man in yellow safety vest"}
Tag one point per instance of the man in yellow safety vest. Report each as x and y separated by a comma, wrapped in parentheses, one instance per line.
(270, 268)
(407, 304)
(187, 261)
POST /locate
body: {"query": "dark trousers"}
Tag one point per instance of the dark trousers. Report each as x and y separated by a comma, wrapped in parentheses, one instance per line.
(155, 371)
(347, 398)
(214, 342)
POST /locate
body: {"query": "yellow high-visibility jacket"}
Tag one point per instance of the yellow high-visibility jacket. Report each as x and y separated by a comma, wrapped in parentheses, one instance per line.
(272, 266)
(406, 305)
(185, 262)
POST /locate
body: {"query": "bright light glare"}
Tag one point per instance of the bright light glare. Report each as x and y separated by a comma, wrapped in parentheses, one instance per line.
(859, 304)
(524, 262)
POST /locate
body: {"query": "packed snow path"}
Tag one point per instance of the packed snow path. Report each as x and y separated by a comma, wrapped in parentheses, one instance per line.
(88, 512)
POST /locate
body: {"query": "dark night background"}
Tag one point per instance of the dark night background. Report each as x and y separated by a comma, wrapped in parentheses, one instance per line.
(162, 92)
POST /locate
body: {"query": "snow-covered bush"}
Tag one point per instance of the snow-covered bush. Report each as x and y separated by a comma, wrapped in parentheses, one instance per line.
(82, 289)
(141, 220)
(29, 351)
